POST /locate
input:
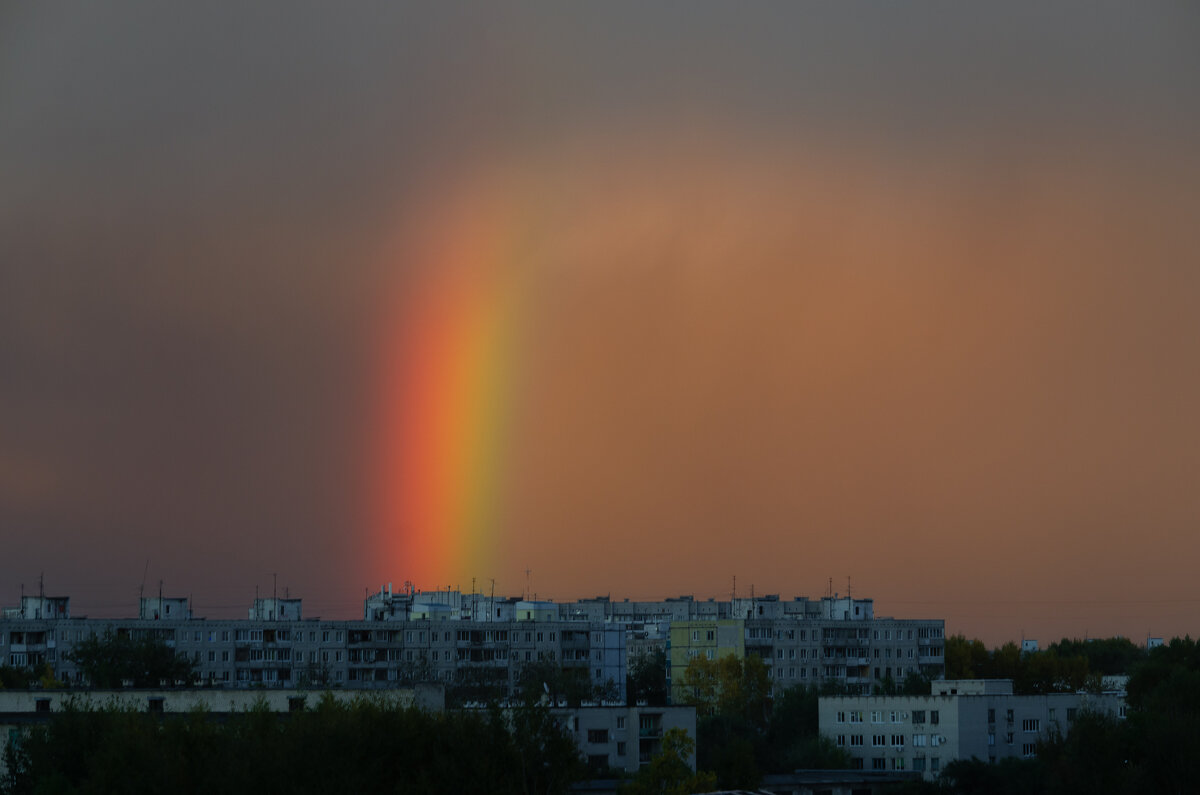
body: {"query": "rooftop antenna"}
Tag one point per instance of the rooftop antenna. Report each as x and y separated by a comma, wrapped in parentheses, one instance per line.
(492, 601)
(847, 586)
(831, 587)
(733, 595)
(528, 571)
(142, 587)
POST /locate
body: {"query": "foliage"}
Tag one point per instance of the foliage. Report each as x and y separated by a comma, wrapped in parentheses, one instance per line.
(1068, 666)
(731, 686)
(545, 677)
(742, 733)
(668, 772)
(111, 660)
(647, 679)
(14, 678)
(363, 746)
(1155, 749)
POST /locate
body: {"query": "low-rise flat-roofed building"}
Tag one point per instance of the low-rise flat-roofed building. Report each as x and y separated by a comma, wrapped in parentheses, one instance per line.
(961, 719)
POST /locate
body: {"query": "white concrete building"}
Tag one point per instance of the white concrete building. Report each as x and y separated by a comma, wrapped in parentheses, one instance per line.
(962, 719)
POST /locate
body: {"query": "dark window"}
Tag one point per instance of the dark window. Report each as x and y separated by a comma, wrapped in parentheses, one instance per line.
(43, 705)
(154, 705)
(597, 735)
(296, 704)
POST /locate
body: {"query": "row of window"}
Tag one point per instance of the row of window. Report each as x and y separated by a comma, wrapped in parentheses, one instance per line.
(896, 740)
(890, 716)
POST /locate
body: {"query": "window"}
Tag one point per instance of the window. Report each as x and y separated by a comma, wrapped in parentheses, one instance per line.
(1008, 716)
(918, 741)
(841, 717)
(1071, 712)
(597, 736)
(898, 763)
(841, 741)
(897, 740)
(878, 740)
(621, 722)
(919, 764)
(991, 716)
(621, 749)
(1031, 725)
(1008, 738)
(856, 715)
(1028, 750)
(935, 764)
(878, 763)
(856, 740)
(695, 634)
(933, 716)
(876, 716)
(918, 716)
(42, 705)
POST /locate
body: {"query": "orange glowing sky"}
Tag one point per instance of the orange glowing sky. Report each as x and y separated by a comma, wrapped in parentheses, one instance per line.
(906, 299)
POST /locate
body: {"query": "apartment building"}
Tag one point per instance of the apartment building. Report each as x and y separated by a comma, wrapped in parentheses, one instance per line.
(807, 643)
(962, 719)
(449, 636)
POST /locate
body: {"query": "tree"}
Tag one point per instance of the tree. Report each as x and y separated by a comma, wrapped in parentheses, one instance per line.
(647, 679)
(668, 772)
(545, 677)
(965, 659)
(112, 660)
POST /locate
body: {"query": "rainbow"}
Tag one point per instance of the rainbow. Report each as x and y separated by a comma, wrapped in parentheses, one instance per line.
(449, 359)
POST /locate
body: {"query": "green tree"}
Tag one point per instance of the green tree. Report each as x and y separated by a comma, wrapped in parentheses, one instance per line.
(547, 678)
(668, 772)
(965, 659)
(647, 679)
(112, 660)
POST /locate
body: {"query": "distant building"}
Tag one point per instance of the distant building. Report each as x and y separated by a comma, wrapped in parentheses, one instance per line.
(452, 637)
(962, 719)
(1028, 645)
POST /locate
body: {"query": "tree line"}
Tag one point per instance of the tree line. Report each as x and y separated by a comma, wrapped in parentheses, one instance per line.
(1068, 666)
(362, 746)
(1155, 748)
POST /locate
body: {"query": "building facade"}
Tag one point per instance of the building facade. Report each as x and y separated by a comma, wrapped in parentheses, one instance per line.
(962, 719)
(451, 637)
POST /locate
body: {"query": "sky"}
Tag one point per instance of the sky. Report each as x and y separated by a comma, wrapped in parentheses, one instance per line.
(624, 298)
